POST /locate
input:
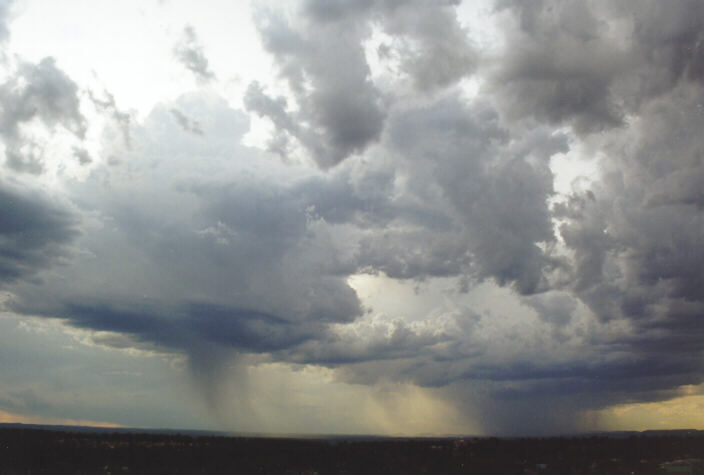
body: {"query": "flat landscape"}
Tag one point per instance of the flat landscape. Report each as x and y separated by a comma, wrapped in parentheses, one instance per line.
(33, 450)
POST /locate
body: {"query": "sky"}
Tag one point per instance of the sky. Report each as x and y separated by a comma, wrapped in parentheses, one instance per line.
(394, 217)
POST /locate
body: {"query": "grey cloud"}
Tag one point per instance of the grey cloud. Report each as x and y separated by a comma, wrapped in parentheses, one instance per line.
(352, 197)
(189, 52)
(47, 92)
(414, 254)
(586, 234)
(28, 158)
(187, 124)
(82, 155)
(339, 111)
(220, 275)
(495, 194)
(232, 252)
(341, 104)
(36, 91)
(559, 93)
(655, 219)
(120, 117)
(636, 239)
(340, 10)
(560, 66)
(241, 271)
(184, 327)
(34, 232)
(668, 40)
(258, 101)
(433, 47)
(368, 341)
(591, 64)
(435, 50)
(456, 199)
(5, 6)
(556, 309)
(633, 234)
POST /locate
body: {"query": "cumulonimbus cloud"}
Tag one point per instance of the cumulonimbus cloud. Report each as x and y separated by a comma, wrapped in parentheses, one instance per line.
(211, 244)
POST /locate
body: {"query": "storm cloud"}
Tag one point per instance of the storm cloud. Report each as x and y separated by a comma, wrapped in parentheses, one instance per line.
(34, 232)
(219, 275)
(345, 109)
(415, 163)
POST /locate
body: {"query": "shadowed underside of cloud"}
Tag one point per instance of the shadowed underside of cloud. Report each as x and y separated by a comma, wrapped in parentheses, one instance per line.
(34, 232)
(215, 249)
(185, 327)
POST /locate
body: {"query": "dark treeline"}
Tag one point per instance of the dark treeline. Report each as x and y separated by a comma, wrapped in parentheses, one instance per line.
(32, 451)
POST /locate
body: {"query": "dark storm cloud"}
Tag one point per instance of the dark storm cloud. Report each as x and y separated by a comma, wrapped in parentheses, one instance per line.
(525, 400)
(645, 266)
(344, 109)
(240, 279)
(635, 235)
(244, 271)
(434, 49)
(560, 67)
(668, 40)
(556, 309)
(216, 249)
(34, 232)
(353, 197)
(459, 199)
(341, 104)
(36, 91)
(369, 341)
(589, 64)
(495, 195)
(189, 52)
(185, 327)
